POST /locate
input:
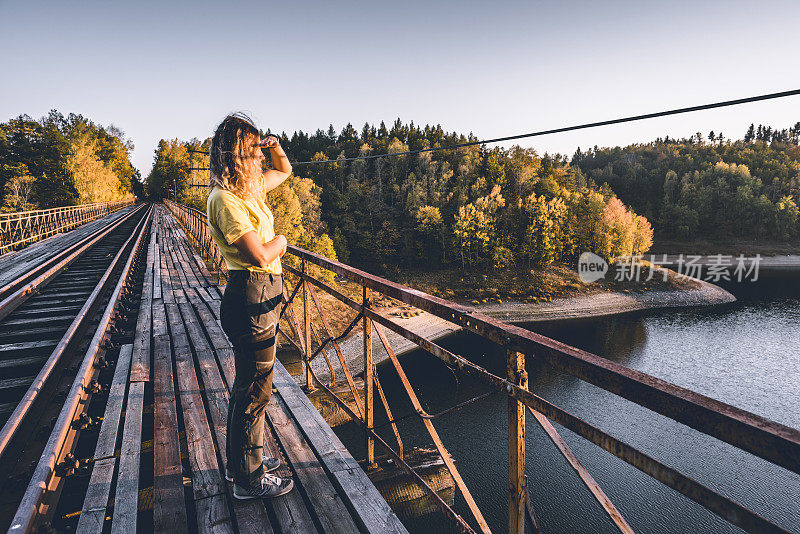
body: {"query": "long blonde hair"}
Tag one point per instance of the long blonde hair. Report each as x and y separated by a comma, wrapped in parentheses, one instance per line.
(234, 165)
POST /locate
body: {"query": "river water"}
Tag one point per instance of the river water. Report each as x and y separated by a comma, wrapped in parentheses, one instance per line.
(745, 354)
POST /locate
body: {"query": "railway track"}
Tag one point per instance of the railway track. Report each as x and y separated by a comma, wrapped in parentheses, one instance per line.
(60, 324)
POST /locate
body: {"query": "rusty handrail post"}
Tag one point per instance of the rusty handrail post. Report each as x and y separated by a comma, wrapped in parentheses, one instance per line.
(516, 446)
(369, 380)
(307, 332)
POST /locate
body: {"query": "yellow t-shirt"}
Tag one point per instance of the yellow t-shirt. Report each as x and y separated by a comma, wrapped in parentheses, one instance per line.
(230, 217)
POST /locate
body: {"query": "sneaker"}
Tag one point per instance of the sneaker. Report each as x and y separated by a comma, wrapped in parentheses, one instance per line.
(269, 486)
(270, 464)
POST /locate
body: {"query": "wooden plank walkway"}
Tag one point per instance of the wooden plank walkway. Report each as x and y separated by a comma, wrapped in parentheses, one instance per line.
(181, 355)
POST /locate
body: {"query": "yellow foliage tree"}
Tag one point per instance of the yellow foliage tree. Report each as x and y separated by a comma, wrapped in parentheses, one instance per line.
(295, 205)
(95, 180)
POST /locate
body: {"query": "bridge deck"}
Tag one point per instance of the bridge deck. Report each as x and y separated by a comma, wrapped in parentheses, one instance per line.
(182, 361)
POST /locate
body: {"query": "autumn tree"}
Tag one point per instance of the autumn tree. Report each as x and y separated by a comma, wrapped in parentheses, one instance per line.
(18, 188)
(70, 160)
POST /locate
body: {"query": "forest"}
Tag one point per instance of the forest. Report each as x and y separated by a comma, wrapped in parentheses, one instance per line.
(468, 207)
(707, 185)
(61, 161)
(495, 207)
(473, 206)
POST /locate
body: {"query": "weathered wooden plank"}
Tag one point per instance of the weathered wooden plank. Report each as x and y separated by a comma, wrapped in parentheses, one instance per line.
(22, 362)
(166, 279)
(159, 319)
(208, 490)
(126, 499)
(213, 515)
(325, 502)
(10, 383)
(202, 269)
(140, 364)
(63, 320)
(204, 294)
(169, 512)
(107, 437)
(28, 345)
(40, 332)
(93, 514)
(157, 271)
(218, 338)
(206, 480)
(178, 275)
(316, 431)
(182, 248)
(367, 507)
(55, 314)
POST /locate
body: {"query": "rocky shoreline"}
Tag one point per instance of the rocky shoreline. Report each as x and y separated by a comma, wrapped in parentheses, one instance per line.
(593, 305)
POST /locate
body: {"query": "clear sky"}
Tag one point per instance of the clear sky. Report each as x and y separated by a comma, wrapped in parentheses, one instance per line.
(174, 69)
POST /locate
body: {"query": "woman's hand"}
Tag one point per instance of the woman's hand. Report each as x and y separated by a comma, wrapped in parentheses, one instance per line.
(271, 141)
(284, 242)
(249, 245)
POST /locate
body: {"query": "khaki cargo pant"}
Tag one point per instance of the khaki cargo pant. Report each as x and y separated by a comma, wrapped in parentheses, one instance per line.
(249, 314)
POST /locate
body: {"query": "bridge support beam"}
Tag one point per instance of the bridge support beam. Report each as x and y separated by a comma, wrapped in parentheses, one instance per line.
(517, 490)
(369, 381)
(307, 331)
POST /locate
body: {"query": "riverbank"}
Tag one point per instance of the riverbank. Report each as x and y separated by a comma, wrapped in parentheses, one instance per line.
(728, 246)
(433, 328)
(778, 264)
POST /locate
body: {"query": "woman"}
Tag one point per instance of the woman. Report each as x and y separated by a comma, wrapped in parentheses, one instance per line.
(242, 227)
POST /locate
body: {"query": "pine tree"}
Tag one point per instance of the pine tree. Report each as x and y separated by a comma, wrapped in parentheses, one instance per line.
(751, 134)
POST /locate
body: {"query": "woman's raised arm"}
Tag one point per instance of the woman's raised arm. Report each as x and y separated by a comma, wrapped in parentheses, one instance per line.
(280, 163)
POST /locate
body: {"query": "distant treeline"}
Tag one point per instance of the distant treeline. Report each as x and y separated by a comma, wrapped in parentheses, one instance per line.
(708, 185)
(59, 161)
(470, 206)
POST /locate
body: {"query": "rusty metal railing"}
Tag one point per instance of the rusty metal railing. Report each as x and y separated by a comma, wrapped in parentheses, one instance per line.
(20, 228)
(196, 225)
(761, 437)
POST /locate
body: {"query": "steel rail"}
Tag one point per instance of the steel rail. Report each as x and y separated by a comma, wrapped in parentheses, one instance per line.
(21, 288)
(23, 408)
(769, 440)
(43, 480)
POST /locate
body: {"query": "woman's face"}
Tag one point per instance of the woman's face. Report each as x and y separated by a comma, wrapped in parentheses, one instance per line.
(258, 153)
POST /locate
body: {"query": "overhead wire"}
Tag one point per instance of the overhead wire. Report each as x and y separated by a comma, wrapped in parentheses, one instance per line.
(677, 111)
